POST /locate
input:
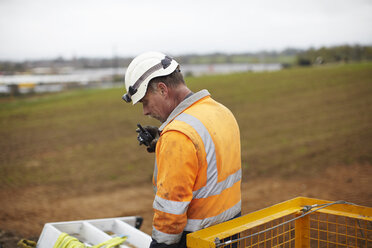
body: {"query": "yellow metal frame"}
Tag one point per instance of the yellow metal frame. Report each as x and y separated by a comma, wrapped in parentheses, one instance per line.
(323, 228)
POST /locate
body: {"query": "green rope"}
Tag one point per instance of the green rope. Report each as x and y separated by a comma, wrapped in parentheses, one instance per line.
(24, 243)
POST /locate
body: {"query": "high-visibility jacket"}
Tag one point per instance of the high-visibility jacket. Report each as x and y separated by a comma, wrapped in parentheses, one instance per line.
(197, 172)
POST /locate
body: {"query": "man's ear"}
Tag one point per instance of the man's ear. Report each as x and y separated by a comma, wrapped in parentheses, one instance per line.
(163, 89)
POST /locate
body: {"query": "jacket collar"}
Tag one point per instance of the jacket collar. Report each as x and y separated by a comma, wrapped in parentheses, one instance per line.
(184, 105)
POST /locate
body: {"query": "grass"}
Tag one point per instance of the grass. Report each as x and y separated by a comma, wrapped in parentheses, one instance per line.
(293, 122)
(287, 59)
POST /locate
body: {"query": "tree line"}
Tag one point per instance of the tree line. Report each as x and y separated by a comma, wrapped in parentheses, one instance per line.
(335, 54)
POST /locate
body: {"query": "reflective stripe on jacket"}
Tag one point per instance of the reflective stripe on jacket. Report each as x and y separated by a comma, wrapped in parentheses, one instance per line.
(197, 172)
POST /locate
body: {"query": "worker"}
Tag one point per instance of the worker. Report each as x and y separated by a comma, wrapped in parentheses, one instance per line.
(197, 172)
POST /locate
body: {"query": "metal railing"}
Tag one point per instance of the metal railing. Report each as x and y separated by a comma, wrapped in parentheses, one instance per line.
(300, 222)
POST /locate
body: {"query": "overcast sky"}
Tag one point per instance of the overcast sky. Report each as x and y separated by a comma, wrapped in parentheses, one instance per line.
(33, 29)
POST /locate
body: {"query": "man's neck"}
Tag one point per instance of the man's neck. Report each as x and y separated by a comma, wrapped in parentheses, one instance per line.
(176, 96)
(180, 94)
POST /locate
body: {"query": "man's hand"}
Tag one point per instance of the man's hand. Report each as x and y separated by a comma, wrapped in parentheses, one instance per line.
(148, 135)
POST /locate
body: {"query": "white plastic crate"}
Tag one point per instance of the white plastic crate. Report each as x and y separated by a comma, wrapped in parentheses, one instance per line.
(96, 231)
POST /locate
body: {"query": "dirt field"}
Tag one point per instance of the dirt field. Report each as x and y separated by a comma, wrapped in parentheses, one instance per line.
(24, 211)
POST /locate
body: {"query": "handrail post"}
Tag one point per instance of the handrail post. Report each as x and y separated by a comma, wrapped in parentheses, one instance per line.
(302, 232)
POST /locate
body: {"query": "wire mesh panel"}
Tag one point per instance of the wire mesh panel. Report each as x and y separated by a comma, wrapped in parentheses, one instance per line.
(270, 234)
(327, 230)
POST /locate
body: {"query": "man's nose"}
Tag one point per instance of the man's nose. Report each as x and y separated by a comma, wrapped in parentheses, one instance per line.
(146, 111)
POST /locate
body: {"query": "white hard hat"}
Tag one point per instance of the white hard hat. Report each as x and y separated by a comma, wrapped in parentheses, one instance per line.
(142, 69)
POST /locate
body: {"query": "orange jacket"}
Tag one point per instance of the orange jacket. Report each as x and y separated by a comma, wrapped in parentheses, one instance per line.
(197, 172)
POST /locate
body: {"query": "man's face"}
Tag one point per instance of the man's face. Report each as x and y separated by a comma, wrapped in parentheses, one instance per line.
(154, 105)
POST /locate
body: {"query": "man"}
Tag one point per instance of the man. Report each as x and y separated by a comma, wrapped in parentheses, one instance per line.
(197, 171)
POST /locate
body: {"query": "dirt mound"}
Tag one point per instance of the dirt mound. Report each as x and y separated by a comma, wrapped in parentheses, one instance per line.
(24, 211)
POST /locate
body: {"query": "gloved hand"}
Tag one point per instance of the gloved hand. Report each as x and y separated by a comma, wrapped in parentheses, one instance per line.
(150, 142)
